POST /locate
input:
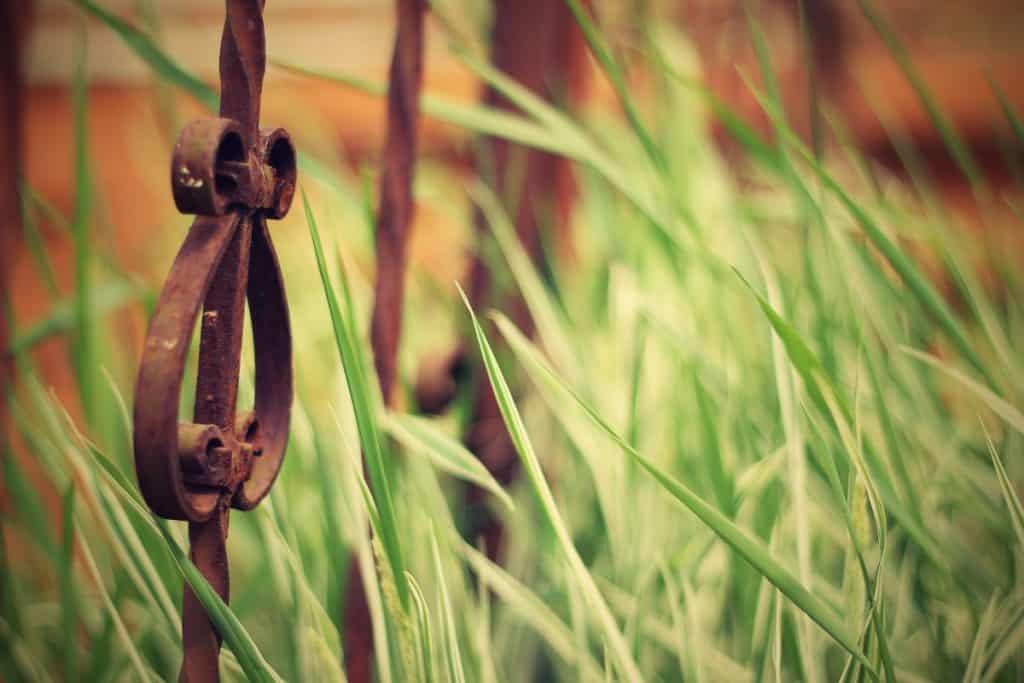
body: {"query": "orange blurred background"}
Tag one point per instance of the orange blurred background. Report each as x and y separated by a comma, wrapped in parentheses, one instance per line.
(956, 46)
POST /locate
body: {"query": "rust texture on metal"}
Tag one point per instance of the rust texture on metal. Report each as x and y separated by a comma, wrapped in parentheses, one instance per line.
(395, 208)
(233, 176)
(14, 18)
(539, 45)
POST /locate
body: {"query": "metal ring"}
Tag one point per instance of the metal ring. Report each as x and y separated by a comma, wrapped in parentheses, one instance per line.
(277, 155)
(205, 166)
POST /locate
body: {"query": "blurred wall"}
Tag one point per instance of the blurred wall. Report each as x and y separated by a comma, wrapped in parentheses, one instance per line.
(955, 46)
(133, 120)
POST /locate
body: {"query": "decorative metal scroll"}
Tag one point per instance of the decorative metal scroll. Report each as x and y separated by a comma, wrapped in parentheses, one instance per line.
(233, 176)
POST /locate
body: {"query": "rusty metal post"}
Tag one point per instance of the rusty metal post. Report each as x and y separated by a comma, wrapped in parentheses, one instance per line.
(394, 223)
(233, 176)
(537, 43)
(13, 20)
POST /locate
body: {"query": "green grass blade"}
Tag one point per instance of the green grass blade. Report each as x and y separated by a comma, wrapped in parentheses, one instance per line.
(158, 60)
(83, 351)
(741, 541)
(533, 611)
(34, 239)
(471, 117)
(517, 431)
(764, 63)
(365, 410)
(228, 626)
(820, 389)
(721, 482)
(911, 275)
(562, 138)
(615, 76)
(424, 635)
(224, 619)
(63, 316)
(748, 138)
(972, 672)
(574, 143)
(141, 673)
(332, 532)
(448, 455)
(68, 600)
(899, 465)
(800, 355)
(636, 378)
(450, 637)
(1009, 491)
(960, 152)
(1006, 646)
(919, 286)
(551, 324)
(993, 401)
(810, 61)
(31, 515)
(1016, 125)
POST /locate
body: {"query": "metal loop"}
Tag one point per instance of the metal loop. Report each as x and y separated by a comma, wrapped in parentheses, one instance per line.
(195, 443)
(272, 351)
(278, 162)
(208, 167)
(158, 389)
(233, 176)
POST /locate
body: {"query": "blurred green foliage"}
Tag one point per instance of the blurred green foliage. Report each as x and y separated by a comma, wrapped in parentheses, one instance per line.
(757, 441)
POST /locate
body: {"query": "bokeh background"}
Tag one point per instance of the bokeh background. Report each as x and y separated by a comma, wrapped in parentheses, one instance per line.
(827, 56)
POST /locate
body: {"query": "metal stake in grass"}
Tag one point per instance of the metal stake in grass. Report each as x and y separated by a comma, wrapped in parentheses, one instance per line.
(234, 176)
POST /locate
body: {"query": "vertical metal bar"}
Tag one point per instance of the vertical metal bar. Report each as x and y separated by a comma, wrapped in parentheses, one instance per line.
(12, 16)
(220, 349)
(200, 641)
(233, 191)
(220, 343)
(243, 62)
(394, 222)
(396, 208)
(537, 43)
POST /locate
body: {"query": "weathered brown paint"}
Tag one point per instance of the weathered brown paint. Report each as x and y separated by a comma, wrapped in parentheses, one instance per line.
(233, 176)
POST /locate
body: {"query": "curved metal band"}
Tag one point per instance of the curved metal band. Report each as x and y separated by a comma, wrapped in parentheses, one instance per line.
(158, 389)
(158, 464)
(272, 346)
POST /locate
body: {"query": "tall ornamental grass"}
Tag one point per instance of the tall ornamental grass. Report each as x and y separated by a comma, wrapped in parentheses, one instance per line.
(759, 440)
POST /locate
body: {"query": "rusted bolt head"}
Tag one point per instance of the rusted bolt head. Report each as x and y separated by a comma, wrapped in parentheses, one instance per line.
(195, 441)
(204, 175)
(261, 461)
(278, 155)
(197, 444)
(247, 430)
